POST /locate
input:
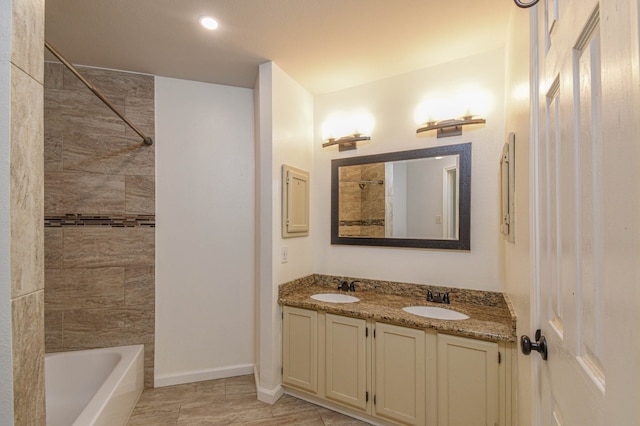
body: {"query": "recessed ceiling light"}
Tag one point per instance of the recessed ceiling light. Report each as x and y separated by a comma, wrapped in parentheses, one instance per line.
(208, 22)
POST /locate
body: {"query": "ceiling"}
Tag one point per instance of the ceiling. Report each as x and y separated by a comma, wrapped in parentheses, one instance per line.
(325, 45)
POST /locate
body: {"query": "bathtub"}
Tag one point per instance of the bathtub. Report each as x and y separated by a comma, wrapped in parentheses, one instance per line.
(93, 387)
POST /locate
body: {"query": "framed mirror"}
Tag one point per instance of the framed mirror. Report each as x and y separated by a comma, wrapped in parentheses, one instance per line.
(419, 198)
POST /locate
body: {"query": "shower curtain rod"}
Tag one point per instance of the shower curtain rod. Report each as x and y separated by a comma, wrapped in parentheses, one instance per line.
(146, 139)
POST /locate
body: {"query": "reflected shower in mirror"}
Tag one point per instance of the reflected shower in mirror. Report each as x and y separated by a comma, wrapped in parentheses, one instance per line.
(414, 198)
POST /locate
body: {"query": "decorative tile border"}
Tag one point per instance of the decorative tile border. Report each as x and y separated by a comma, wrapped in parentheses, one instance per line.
(370, 222)
(124, 221)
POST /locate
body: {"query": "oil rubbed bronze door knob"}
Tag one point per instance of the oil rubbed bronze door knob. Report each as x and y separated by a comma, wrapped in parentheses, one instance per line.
(540, 345)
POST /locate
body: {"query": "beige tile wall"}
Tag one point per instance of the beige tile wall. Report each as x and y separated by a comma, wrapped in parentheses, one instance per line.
(350, 201)
(28, 359)
(26, 208)
(362, 204)
(99, 280)
(373, 201)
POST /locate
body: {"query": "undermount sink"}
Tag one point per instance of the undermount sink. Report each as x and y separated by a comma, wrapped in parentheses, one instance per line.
(435, 312)
(334, 298)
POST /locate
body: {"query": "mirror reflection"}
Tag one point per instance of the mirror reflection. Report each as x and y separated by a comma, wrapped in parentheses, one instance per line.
(400, 199)
(415, 198)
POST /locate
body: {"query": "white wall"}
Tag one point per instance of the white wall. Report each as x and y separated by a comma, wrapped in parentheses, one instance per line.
(425, 196)
(392, 102)
(516, 255)
(205, 231)
(266, 357)
(6, 374)
(285, 136)
(292, 145)
(395, 180)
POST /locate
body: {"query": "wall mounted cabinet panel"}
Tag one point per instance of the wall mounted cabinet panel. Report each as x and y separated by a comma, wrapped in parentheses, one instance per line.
(295, 202)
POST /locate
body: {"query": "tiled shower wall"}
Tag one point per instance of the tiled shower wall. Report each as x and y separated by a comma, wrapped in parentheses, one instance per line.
(350, 202)
(25, 212)
(362, 201)
(373, 201)
(99, 208)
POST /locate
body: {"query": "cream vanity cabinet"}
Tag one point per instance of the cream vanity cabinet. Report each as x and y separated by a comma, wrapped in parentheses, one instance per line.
(300, 349)
(398, 383)
(471, 382)
(397, 374)
(346, 361)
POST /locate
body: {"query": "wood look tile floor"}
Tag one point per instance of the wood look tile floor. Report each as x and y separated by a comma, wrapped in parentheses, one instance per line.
(232, 401)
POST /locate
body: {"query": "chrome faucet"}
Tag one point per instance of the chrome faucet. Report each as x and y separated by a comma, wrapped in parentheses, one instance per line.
(437, 297)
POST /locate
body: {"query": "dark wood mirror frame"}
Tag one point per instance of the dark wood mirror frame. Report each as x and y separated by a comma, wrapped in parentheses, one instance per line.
(464, 222)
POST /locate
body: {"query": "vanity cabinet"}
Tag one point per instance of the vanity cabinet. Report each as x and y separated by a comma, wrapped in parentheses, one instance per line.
(346, 361)
(400, 374)
(468, 382)
(393, 374)
(300, 349)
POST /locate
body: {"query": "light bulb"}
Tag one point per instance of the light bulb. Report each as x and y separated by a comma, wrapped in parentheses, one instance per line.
(208, 22)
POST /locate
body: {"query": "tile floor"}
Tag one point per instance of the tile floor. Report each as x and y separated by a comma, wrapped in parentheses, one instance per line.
(230, 401)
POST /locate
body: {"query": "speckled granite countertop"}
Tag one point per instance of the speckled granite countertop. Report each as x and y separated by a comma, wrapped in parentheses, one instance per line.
(491, 314)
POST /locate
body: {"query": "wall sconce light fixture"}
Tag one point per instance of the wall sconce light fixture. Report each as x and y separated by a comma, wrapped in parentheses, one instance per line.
(470, 104)
(346, 143)
(451, 127)
(345, 130)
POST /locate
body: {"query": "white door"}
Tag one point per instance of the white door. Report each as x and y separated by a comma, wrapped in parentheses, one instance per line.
(586, 212)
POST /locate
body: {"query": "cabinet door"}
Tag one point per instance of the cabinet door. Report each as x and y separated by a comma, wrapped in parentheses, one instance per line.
(400, 374)
(468, 382)
(346, 361)
(300, 348)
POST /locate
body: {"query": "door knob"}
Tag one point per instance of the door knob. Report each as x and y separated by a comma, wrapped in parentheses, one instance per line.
(540, 345)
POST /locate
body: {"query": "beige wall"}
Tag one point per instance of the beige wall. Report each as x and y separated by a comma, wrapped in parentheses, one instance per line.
(517, 270)
(392, 103)
(25, 242)
(283, 136)
(205, 234)
(100, 273)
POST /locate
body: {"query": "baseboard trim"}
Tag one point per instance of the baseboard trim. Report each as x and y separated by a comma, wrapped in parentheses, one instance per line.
(202, 375)
(375, 421)
(269, 396)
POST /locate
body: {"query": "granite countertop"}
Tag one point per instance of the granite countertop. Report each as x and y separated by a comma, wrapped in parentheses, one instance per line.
(491, 314)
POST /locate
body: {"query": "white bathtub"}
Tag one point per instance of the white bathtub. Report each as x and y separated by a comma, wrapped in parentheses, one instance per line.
(93, 387)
